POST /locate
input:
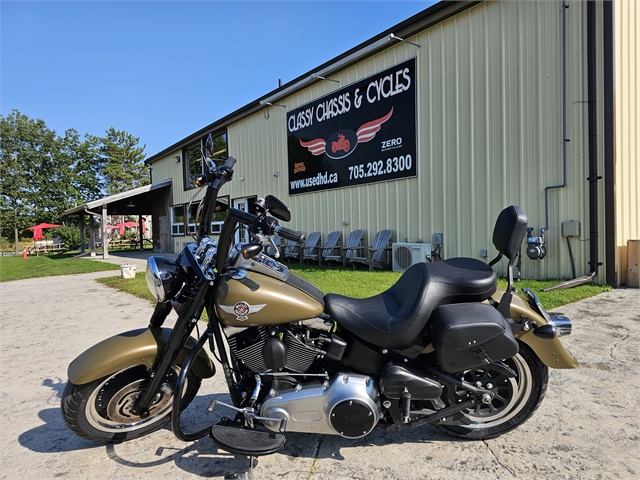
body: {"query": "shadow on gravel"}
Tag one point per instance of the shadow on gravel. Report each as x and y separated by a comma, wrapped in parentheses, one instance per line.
(202, 457)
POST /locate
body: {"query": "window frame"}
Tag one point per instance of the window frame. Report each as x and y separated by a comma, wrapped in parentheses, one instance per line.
(188, 160)
(216, 225)
(177, 228)
(192, 227)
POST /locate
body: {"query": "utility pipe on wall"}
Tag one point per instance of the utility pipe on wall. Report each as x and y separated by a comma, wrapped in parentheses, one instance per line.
(593, 153)
(564, 121)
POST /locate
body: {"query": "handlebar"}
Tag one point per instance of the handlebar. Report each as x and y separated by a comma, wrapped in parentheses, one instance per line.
(289, 234)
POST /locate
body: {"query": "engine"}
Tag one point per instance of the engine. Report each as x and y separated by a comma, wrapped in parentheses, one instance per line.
(347, 405)
(291, 347)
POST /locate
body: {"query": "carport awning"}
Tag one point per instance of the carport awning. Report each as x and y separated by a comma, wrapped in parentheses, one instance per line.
(131, 202)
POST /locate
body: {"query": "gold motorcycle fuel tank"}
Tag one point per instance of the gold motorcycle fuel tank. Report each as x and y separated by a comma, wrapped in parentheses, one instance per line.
(259, 300)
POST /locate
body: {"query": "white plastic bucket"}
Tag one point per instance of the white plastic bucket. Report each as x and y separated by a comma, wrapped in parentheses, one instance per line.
(128, 271)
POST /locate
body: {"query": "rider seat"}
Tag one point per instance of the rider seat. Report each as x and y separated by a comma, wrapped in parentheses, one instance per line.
(397, 317)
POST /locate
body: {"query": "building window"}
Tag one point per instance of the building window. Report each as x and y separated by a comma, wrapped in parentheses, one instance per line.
(177, 220)
(194, 163)
(192, 217)
(222, 205)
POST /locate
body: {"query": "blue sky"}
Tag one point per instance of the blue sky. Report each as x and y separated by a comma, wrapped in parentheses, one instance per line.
(162, 70)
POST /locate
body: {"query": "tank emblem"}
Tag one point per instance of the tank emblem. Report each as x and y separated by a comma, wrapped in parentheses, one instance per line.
(242, 310)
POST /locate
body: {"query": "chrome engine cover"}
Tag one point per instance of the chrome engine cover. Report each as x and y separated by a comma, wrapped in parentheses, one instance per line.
(348, 405)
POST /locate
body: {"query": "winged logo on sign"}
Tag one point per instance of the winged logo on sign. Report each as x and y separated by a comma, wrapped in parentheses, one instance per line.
(341, 147)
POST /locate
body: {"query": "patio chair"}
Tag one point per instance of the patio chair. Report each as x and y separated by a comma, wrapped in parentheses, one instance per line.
(292, 250)
(375, 254)
(354, 243)
(334, 242)
(311, 249)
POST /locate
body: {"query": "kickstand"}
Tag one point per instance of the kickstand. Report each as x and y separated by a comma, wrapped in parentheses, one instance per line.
(244, 476)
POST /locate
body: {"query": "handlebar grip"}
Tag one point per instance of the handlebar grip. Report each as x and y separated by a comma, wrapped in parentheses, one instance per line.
(289, 234)
(231, 161)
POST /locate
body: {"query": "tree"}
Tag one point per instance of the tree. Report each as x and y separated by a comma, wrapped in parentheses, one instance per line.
(27, 150)
(122, 165)
(41, 173)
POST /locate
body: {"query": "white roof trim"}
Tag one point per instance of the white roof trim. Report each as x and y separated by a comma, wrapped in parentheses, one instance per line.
(118, 196)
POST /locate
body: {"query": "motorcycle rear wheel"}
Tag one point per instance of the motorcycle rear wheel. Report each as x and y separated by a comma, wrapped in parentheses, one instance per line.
(515, 399)
(100, 411)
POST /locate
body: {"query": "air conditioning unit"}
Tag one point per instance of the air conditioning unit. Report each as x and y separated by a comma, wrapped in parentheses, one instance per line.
(407, 254)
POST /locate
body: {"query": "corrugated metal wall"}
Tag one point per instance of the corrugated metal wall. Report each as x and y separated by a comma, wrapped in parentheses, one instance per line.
(627, 110)
(489, 135)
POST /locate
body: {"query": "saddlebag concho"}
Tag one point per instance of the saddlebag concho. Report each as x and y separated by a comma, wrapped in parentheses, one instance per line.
(471, 335)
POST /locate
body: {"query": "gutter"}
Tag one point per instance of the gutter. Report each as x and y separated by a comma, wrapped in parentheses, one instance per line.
(544, 229)
(608, 30)
(593, 154)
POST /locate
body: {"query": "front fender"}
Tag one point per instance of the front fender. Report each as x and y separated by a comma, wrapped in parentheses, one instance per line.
(136, 347)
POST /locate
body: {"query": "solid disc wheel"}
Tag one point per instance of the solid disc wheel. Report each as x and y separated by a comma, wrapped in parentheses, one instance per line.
(101, 411)
(514, 399)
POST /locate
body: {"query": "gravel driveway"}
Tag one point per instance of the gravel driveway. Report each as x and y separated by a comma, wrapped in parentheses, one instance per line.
(587, 427)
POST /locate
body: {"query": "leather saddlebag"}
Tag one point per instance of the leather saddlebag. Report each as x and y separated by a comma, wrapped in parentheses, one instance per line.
(471, 335)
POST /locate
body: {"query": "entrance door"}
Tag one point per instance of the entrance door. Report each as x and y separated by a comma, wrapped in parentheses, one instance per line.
(162, 236)
(246, 205)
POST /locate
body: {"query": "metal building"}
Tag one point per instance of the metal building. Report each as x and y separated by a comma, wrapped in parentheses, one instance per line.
(438, 123)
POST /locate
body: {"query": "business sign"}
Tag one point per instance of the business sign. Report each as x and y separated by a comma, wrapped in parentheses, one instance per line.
(360, 134)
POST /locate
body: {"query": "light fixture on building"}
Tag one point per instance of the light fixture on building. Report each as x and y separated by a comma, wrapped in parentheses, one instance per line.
(131, 204)
(242, 179)
(276, 173)
(315, 75)
(274, 104)
(176, 159)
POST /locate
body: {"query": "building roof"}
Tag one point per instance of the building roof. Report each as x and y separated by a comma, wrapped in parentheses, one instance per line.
(433, 15)
(131, 202)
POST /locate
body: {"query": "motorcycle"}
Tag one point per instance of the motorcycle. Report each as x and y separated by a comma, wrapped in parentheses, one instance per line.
(443, 346)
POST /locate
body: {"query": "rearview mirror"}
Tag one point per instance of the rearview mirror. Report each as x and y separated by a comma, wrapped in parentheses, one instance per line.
(277, 208)
(208, 146)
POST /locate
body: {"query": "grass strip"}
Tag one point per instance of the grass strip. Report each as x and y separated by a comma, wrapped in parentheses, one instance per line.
(14, 267)
(365, 283)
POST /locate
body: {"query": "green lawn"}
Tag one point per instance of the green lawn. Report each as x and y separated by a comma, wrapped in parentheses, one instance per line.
(14, 267)
(364, 283)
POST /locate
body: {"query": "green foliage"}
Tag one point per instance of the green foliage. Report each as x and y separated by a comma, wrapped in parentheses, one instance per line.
(15, 267)
(27, 155)
(70, 236)
(43, 174)
(121, 161)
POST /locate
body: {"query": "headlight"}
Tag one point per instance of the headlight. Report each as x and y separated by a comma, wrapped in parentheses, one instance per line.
(164, 278)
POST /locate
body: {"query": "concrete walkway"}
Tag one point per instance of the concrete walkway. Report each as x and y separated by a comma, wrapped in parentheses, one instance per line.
(586, 428)
(132, 257)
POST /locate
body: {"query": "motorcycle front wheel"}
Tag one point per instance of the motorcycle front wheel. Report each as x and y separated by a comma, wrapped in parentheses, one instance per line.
(101, 411)
(514, 401)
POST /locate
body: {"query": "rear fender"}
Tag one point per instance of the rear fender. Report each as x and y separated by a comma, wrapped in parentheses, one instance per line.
(136, 347)
(550, 351)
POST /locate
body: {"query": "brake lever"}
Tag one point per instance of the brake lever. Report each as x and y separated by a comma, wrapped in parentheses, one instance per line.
(264, 238)
(275, 247)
